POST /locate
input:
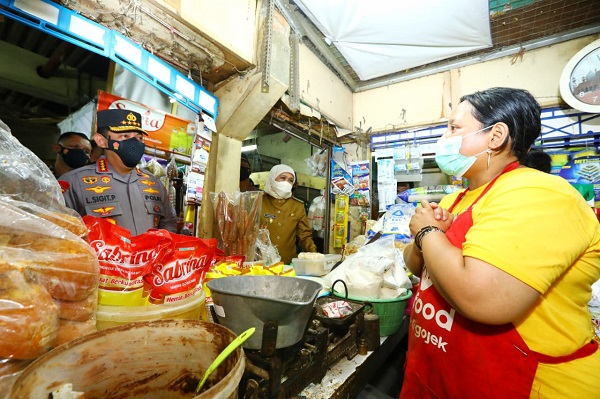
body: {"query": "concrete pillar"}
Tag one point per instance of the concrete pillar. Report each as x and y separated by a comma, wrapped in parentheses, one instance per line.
(242, 105)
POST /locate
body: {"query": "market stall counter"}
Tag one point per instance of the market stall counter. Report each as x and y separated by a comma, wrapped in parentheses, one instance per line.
(348, 377)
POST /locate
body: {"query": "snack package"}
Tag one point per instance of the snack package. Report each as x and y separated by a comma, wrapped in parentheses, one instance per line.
(124, 260)
(180, 272)
(48, 272)
(236, 219)
(395, 221)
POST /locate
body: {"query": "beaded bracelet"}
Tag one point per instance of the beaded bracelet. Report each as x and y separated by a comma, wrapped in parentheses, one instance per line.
(423, 231)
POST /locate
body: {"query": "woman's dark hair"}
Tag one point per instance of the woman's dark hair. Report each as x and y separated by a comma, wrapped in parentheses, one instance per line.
(538, 159)
(517, 108)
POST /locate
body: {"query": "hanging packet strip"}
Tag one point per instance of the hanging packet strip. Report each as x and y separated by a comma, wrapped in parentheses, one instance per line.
(124, 261)
(179, 274)
(429, 193)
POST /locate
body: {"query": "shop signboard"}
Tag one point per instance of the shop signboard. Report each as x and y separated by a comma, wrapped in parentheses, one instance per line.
(166, 132)
(581, 168)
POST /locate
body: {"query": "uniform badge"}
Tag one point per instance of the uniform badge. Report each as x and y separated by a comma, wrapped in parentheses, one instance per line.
(89, 179)
(98, 189)
(270, 216)
(102, 165)
(105, 179)
(148, 182)
(150, 190)
(156, 221)
(140, 173)
(156, 208)
(64, 186)
(105, 210)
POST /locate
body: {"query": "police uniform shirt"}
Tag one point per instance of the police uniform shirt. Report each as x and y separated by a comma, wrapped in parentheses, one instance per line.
(287, 224)
(136, 201)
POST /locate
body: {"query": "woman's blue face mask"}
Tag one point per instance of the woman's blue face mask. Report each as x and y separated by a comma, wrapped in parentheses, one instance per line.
(449, 158)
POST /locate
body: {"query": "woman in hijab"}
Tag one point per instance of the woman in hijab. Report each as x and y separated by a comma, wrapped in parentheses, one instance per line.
(284, 216)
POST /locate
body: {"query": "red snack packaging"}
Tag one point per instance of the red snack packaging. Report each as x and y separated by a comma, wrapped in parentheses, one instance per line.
(124, 260)
(179, 274)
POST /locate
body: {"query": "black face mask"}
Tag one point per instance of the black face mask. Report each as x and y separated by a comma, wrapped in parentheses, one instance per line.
(74, 157)
(130, 151)
(244, 173)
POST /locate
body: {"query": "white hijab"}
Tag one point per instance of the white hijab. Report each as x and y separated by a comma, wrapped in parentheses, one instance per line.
(279, 189)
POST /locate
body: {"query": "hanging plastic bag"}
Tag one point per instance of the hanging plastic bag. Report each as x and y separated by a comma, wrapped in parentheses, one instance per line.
(236, 219)
(265, 250)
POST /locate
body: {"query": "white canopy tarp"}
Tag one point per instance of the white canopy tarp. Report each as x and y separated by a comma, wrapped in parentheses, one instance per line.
(380, 37)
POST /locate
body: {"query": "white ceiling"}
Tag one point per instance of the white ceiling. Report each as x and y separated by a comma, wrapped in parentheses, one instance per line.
(380, 37)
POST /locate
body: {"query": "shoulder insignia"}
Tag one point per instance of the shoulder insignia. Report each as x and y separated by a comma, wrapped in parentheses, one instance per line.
(89, 179)
(98, 189)
(102, 165)
(140, 173)
(151, 190)
(105, 179)
(64, 186)
(148, 182)
(105, 210)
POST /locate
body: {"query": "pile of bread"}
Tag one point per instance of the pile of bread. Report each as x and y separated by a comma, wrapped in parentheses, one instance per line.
(48, 282)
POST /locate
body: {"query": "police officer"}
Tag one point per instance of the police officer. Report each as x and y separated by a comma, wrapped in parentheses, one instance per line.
(284, 216)
(72, 150)
(114, 188)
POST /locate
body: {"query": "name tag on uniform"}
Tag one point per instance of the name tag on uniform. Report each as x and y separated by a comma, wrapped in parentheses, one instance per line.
(270, 216)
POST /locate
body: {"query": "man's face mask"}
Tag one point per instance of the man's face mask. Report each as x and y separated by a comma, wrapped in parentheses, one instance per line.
(130, 151)
(74, 157)
(449, 158)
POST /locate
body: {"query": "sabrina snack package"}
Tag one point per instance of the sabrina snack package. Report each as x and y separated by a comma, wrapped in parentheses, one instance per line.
(48, 272)
(178, 275)
(124, 261)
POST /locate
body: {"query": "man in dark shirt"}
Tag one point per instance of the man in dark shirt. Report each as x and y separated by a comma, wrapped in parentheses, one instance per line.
(73, 151)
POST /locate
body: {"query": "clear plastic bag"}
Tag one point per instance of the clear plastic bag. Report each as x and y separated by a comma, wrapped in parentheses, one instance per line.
(48, 272)
(374, 271)
(265, 250)
(236, 217)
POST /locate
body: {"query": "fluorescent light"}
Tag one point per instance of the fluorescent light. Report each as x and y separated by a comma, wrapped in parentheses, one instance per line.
(250, 147)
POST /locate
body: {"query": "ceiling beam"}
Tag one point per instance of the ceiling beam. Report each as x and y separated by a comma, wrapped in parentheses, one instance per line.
(62, 88)
(304, 28)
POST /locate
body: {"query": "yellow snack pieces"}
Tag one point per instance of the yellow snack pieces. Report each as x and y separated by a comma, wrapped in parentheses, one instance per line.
(227, 269)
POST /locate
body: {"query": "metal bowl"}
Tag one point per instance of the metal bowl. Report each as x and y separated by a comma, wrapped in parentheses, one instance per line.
(242, 302)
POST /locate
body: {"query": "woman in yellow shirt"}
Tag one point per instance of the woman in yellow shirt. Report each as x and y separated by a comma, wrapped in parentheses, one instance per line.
(506, 267)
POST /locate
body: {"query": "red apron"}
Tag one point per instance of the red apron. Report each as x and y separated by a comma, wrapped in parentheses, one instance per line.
(470, 359)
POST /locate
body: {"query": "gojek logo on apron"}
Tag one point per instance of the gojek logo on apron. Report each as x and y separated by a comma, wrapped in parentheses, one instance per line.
(426, 309)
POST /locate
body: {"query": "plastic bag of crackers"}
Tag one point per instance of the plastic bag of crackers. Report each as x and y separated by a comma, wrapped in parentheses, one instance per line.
(48, 272)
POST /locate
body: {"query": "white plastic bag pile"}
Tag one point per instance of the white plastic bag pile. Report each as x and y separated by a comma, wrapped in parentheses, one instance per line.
(317, 163)
(594, 307)
(375, 271)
